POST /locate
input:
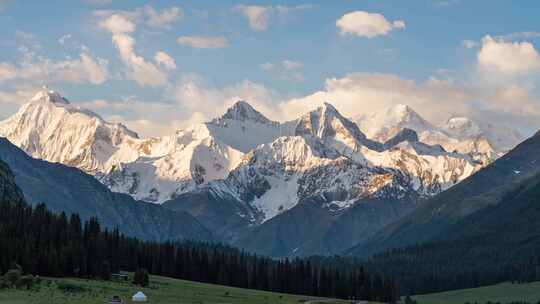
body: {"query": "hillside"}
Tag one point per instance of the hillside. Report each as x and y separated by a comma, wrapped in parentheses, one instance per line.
(66, 189)
(441, 216)
(501, 293)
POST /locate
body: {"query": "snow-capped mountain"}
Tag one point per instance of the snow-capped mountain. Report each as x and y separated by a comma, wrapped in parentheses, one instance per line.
(385, 124)
(242, 170)
(51, 128)
(484, 142)
(330, 156)
(195, 156)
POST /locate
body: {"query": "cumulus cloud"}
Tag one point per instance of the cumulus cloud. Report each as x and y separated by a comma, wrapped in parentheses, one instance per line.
(122, 24)
(85, 69)
(203, 42)
(365, 24)
(508, 57)
(118, 24)
(362, 93)
(141, 71)
(165, 60)
(260, 17)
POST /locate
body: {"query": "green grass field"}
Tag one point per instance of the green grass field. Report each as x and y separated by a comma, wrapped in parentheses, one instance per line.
(161, 290)
(503, 293)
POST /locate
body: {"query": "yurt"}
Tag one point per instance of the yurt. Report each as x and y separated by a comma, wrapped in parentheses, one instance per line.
(139, 297)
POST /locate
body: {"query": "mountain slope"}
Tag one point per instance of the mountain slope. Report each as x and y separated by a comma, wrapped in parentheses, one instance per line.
(484, 142)
(50, 128)
(485, 188)
(198, 155)
(9, 191)
(327, 173)
(67, 189)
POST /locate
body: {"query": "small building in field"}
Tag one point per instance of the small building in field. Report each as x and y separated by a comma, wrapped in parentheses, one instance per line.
(139, 297)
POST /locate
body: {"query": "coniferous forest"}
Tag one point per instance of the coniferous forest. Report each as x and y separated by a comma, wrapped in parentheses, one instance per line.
(49, 244)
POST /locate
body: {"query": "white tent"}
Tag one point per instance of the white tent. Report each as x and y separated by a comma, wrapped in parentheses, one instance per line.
(139, 297)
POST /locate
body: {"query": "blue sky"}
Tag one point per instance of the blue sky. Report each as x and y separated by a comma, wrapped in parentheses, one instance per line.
(443, 57)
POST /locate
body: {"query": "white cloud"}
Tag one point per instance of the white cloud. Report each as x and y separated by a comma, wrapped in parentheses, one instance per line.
(85, 69)
(141, 71)
(125, 21)
(164, 18)
(469, 44)
(120, 25)
(291, 65)
(508, 57)
(117, 24)
(361, 93)
(365, 24)
(165, 60)
(260, 17)
(203, 42)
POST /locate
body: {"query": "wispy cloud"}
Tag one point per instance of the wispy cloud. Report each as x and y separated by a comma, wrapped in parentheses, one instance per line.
(204, 42)
(286, 69)
(260, 17)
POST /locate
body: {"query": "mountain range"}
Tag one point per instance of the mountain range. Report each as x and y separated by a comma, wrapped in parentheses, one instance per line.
(318, 184)
(499, 197)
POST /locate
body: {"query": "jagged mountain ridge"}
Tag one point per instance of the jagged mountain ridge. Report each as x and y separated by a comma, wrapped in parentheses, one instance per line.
(325, 170)
(242, 171)
(483, 141)
(500, 199)
(158, 169)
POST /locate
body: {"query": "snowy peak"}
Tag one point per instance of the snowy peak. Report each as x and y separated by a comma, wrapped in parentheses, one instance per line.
(50, 128)
(384, 125)
(326, 121)
(47, 95)
(243, 111)
(462, 127)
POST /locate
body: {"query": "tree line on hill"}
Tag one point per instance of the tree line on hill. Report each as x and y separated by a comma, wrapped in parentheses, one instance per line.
(49, 244)
(459, 264)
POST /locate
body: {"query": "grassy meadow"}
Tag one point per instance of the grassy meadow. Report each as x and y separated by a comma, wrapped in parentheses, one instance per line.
(161, 291)
(501, 293)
